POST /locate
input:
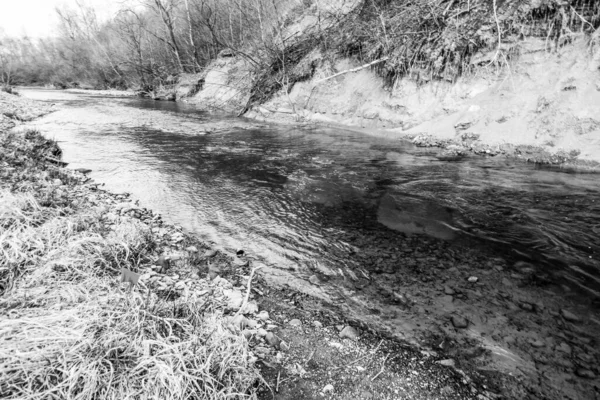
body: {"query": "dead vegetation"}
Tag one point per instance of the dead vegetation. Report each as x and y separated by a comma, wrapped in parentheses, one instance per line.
(69, 330)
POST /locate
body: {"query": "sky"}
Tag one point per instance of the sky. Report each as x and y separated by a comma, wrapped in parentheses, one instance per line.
(37, 18)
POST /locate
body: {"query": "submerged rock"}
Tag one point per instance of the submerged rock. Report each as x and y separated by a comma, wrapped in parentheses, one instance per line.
(459, 322)
(349, 333)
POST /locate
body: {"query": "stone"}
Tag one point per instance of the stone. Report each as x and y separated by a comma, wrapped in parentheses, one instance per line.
(349, 333)
(239, 322)
(252, 324)
(585, 373)
(262, 332)
(263, 315)
(473, 279)
(210, 253)
(328, 388)
(295, 322)
(459, 322)
(314, 280)
(317, 324)
(234, 298)
(537, 343)
(569, 316)
(448, 290)
(527, 306)
(564, 348)
(272, 339)
(448, 363)
(251, 307)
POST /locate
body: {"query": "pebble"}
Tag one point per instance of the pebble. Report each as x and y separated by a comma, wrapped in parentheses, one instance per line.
(295, 322)
(569, 316)
(272, 339)
(585, 373)
(251, 307)
(448, 290)
(564, 348)
(349, 333)
(261, 332)
(263, 315)
(459, 322)
(328, 388)
(448, 363)
(537, 343)
(210, 253)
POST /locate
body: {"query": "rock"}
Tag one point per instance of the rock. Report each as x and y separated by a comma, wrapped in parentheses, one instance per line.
(585, 373)
(459, 322)
(314, 280)
(272, 339)
(328, 388)
(263, 316)
(295, 322)
(564, 348)
(448, 363)
(349, 333)
(192, 249)
(509, 339)
(240, 253)
(234, 298)
(251, 307)
(527, 306)
(252, 324)
(210, 253)
(262, 332)
(284, 345)
(506, 282)
(240, 262)
(317, 324)
(473, 279)
(569, 316)
(448, 290)
(239, 322)
(537, 343)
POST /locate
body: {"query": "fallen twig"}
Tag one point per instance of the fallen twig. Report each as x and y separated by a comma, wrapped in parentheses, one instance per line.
(247, 291)
(353, 69)
(361, 358)
(381, 370)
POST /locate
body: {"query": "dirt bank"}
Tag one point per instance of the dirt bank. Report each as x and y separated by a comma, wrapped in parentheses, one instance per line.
(542, 106)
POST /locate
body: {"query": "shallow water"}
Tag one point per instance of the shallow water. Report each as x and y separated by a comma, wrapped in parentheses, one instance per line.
(295, 197)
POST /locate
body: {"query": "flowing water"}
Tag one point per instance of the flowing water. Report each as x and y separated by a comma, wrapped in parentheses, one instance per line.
(298, 198)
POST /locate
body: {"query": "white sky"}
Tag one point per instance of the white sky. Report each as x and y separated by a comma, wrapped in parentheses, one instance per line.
(37, 18)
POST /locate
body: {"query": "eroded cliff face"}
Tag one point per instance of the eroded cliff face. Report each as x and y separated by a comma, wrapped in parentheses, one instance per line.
(227, 85)
(544, 99)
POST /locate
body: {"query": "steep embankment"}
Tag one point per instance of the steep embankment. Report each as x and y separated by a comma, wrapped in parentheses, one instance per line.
(533, 93)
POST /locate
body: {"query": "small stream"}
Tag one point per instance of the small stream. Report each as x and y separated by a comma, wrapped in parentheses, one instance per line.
(309, 201)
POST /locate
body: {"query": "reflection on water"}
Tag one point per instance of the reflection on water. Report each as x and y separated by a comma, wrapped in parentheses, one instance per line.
(289, 194)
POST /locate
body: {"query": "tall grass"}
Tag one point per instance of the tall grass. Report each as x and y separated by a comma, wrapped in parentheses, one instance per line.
(68, 330)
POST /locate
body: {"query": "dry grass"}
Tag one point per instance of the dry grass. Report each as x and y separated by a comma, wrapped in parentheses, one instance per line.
(68, 329)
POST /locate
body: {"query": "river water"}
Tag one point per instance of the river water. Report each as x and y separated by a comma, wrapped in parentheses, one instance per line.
(328, 202)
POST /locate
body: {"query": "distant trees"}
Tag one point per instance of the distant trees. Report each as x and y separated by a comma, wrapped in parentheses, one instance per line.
(145, 44)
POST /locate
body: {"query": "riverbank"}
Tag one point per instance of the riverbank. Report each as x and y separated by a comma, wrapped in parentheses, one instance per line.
(530, 336)
(189, 320)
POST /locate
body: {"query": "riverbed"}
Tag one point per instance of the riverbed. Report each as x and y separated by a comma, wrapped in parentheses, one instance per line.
(376, 226)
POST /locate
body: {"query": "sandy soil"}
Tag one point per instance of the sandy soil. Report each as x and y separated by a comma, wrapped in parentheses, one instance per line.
(547, 100)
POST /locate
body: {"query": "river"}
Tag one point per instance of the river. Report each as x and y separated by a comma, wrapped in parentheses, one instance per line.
(313, 201)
